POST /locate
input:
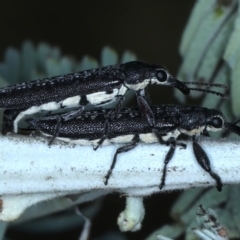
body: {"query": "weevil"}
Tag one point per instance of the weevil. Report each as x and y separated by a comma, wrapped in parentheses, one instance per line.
(96, 87)
(129, 127)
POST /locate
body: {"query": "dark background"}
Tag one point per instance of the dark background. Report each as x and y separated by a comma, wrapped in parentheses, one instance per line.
(151, 29)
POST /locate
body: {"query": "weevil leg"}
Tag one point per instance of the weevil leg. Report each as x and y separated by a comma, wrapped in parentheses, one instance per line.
(159, 137)
(148, 114)
(64, 118)
(48, 113)
(9, 116)
(145, 109)
(111, 115)
(182, 145)
(204, 162)
(147, 97)
(105, 135)
(73, 114)
(125, 148)
(205, 133)
(172, 143)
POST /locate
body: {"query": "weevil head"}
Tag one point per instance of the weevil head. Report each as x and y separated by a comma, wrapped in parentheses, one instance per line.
(215, 121)
(138, 75)
(201, 120)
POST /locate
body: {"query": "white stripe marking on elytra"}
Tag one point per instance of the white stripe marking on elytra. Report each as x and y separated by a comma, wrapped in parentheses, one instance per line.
(101, 97)
(71, 101)
(144, 137)
(138, 86)
(94, 99)
(51, 106)
(174, 134)
(145, 83)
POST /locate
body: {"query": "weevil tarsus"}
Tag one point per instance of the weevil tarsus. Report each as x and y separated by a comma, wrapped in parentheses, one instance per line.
(167, 159)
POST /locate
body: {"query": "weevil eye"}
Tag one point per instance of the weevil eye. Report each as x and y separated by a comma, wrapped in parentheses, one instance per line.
(161, 75)
(216, 122)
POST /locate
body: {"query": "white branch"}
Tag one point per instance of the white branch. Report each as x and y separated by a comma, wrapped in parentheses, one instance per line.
(33, 171)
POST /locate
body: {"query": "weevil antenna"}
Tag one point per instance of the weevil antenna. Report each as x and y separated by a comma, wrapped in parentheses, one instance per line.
(210, 91)
(207, 84)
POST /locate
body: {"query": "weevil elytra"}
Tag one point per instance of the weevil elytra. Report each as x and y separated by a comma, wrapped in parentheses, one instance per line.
(95, 87)
(128, 127)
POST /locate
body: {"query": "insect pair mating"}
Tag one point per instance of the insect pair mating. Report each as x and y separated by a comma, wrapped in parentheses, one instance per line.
(97, 87)
(129, 127)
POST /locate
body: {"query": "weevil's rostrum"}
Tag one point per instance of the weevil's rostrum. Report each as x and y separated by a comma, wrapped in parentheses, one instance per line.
(128, 127)
(76, 90)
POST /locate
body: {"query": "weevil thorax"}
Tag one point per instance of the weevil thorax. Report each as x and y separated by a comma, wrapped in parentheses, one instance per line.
(196, 122)
(138, 75)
